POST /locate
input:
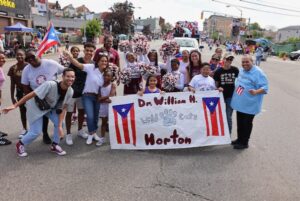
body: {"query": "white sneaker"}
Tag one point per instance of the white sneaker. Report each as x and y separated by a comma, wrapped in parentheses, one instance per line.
(96, 137)
(100, 142)
(82, 134)
(89, 139)
(22, 133)
(69, 139)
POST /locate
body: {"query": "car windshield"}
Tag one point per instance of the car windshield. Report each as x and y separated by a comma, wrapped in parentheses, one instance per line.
(185, 43)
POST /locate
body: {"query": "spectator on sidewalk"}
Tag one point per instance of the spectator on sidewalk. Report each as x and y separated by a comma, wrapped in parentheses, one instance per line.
(250, 88)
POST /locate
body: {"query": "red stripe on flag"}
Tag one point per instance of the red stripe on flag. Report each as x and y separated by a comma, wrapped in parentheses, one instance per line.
(46, 47)
(126, 130)
(214, 123)
(132, 122)
(221, 119)
(206, 119)
(118, 135)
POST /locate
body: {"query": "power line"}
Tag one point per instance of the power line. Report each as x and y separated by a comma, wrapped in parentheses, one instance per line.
(260, 4)
(259, 10)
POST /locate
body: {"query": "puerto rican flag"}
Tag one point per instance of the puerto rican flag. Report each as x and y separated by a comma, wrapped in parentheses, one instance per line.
(239, 90)
(213, 116)
(49, 41)
(124, 120)
(178, 56)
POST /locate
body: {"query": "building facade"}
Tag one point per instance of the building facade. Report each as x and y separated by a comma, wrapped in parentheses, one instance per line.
(226, 27)
(287, 32)
(14, 11)
(153, 22)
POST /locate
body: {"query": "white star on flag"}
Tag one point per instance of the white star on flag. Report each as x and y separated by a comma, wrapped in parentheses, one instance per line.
(211, 103)
(123, 110)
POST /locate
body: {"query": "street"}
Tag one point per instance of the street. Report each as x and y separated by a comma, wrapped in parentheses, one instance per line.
(268, 171)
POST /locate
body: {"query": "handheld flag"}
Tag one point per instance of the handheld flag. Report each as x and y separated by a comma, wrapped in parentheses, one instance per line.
(49, 41)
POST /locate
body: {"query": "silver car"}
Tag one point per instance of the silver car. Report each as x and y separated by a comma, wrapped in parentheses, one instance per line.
(187, 44)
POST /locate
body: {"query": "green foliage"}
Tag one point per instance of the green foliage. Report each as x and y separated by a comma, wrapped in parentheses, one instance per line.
(282, 54)
(165, 28)
(121, 17)
(293, 40)
(215, 35)
(146, 30)
(255, 26)
(257, 34)
(93, 28)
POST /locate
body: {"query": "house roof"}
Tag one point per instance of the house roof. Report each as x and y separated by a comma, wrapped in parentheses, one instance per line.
(82, 8)
(290, 28)
(68, 6)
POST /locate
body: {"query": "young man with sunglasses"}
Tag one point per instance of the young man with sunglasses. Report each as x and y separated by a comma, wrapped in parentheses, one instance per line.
(225, 78)
(35, 74)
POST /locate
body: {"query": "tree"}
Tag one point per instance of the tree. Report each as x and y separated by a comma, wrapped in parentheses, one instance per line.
(121, 18)
(255, 26)
(93, 29)
(165, 28)
(147, 30)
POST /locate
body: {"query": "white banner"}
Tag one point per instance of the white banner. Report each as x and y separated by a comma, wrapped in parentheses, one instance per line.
(41, 5)
(169, 121)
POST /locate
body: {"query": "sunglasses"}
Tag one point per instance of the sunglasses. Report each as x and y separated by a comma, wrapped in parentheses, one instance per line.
(29, 58)
(103, 53)
(215, 59)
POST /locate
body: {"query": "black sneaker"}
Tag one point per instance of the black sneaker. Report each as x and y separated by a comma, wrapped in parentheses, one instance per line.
(240, 146)
(46, 138)
(234, 142)
(4, 141)
(2, 134)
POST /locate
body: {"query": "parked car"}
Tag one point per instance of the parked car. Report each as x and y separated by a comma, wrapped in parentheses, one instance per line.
(187, 44)
(295, 55)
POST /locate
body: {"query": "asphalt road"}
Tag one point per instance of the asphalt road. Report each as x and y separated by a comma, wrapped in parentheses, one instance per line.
(268, 171)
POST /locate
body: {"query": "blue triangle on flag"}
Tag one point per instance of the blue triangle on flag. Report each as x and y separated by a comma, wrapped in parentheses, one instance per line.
(123, 109)
(211, 103)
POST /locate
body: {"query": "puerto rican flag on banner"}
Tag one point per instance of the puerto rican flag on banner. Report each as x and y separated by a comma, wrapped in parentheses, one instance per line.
(124, 120)
(49, 41)
(213, 116)
(240, 90)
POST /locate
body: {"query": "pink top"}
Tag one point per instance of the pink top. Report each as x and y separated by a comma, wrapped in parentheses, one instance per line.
(2, 78)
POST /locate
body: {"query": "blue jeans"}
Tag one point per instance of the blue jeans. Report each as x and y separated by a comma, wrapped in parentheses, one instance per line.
(36, 128)
(229, 112)
(91, 107)
(258, 60)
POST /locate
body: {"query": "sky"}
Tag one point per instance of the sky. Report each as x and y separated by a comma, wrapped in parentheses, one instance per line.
(190, 10)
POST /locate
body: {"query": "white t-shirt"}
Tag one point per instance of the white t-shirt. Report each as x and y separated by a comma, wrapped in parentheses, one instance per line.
(201, 83)
(47, 71)
(183, 70)
(94, 79)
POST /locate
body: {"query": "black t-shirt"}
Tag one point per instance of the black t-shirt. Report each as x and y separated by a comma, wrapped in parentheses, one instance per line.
(80, 77)
(226, 79)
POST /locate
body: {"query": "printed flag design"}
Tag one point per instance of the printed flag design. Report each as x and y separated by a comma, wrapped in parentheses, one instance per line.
(240, 90)
(49, 40)
(213, 116)
(124, 119)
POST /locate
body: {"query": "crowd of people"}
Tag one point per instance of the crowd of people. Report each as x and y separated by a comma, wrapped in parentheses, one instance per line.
(87, 83)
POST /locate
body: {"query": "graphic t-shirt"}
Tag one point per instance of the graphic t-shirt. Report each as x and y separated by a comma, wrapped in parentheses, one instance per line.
(47, 71)
(201, 83)
(226, 79)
